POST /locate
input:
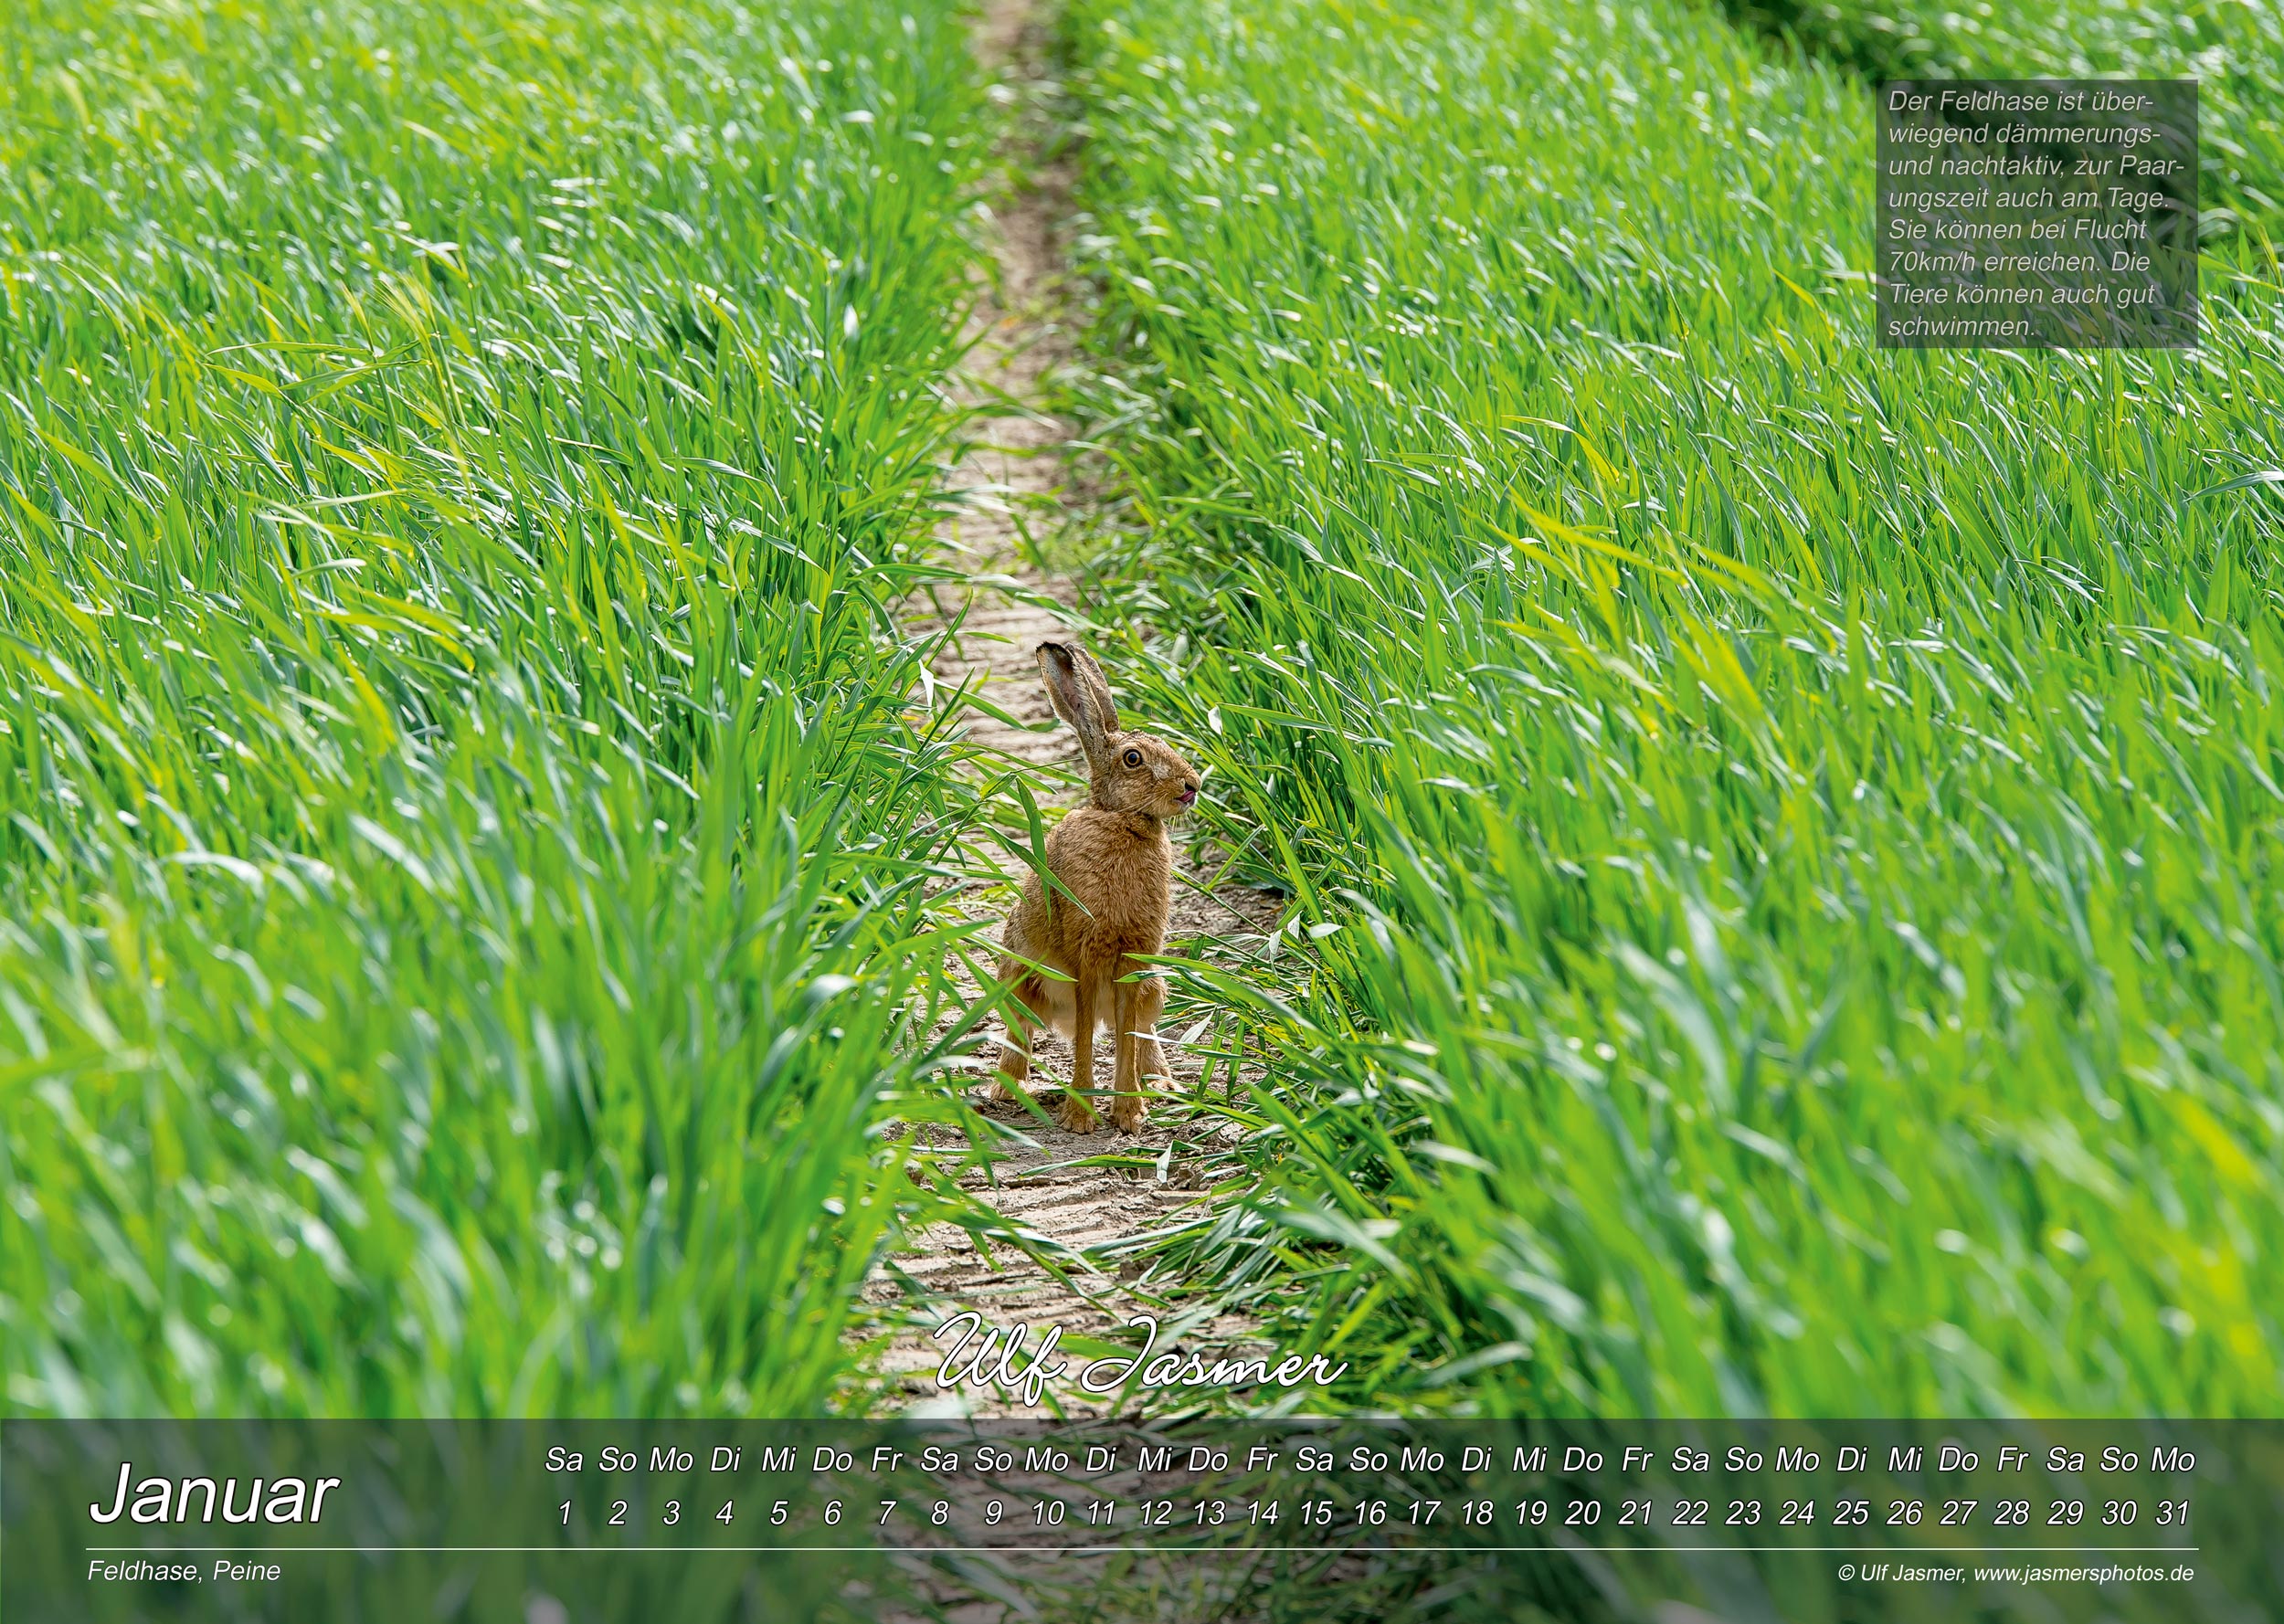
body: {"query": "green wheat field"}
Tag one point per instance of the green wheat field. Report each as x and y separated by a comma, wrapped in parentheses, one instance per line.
(1780, 839)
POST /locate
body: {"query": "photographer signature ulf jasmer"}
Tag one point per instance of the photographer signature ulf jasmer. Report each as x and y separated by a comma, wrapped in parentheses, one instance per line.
(997, 1360)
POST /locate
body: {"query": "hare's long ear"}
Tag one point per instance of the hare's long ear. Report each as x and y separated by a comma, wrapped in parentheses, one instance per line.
(1076, 690)
(1099, 685)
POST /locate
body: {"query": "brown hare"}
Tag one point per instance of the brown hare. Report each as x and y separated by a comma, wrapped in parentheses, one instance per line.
(1115, 858)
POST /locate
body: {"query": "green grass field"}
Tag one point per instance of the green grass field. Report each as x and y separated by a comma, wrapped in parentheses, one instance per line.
(1783, 835)
(460, 831)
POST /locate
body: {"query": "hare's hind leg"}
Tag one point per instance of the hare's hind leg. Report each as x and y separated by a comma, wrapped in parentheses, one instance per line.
(1024, 1013)
(1150, 1008)
(1140, 1059)
(1075, 1114)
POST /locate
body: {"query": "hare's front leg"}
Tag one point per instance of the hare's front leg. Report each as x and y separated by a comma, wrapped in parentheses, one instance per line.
(1138, 1058)
(1074, 1114)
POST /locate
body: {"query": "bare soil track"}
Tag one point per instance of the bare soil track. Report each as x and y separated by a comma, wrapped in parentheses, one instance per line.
(1072, 1197)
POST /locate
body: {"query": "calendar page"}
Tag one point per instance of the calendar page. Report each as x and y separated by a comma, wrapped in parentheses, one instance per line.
(224, 1520)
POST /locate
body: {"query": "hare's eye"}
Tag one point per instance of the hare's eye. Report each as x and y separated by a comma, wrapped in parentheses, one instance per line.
(1134, 758)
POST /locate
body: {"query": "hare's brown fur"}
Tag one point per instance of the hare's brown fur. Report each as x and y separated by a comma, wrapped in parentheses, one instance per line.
(1115, 857)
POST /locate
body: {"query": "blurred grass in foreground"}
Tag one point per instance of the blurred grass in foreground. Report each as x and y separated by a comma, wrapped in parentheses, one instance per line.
(1784, 836)
(461, 828)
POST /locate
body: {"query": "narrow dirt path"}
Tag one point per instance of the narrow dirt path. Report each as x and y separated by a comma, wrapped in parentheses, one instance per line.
(1072, 1197)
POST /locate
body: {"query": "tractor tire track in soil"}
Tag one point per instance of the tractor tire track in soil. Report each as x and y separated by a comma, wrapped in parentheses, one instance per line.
(1074, 1196)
